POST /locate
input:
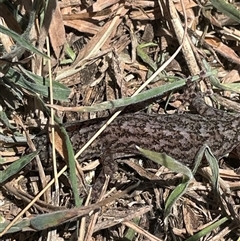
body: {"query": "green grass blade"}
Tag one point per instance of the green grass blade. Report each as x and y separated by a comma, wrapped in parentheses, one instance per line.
(174, 165)
(36, 84)
(207, 230)
(22, 41)
(227, 8)
(16, 166)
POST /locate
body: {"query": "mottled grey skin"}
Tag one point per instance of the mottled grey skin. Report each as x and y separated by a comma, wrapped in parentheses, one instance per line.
(178, 135)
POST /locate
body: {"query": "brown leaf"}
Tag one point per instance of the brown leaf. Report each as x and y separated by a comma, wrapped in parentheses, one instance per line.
(57, 31)
(223, 49)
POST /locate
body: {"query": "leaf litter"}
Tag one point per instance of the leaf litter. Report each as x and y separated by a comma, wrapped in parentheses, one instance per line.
(101, 52)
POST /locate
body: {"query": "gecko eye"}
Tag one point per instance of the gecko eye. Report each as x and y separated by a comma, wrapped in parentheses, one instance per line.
(44, 148)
